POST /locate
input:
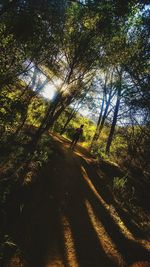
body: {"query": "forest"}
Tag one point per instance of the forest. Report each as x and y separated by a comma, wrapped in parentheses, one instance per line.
(94, 55)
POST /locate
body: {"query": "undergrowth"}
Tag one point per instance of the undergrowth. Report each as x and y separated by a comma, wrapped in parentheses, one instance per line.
(18, 171)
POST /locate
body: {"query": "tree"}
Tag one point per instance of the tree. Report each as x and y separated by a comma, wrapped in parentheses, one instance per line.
(116, 110)
(30, 35)
(86, 32)
(107, 94)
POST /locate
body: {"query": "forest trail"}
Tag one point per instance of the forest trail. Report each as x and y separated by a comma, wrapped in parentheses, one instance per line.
(70, 219)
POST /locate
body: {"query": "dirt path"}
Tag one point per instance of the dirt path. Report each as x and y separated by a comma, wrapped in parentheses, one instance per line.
(70, 219)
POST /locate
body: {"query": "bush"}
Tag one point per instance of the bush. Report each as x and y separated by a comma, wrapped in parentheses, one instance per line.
(123, 191)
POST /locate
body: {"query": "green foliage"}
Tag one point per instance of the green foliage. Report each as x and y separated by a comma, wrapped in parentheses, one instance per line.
(119, 147)
(36, 111)
(12, 59)
(119, 183)
(89, 127)
(71, 40)
(123, 191)
(12, 109)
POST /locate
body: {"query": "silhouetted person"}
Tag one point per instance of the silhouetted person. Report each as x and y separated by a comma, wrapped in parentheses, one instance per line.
(76, 136)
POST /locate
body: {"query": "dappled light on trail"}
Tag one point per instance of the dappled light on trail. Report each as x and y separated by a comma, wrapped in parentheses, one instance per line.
(91, 175)
(74, 133)
(105, 240)
(140, 264)
(69, 218)
(55, 263)
(69, 248)
(86, 158)
(111, 209)
(113, 213)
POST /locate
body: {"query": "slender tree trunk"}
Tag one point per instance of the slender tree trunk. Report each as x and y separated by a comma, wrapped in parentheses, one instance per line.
(96, 135)
(102, 119)
(100, 128)
(48, 116)
(27, 102)
(53, 113)
(20, 126)
(103, 111)
(55, 109)
(70, 117)
(113, 125)
(73, 113)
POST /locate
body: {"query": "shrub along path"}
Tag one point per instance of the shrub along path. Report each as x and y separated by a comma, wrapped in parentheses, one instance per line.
(70, 218)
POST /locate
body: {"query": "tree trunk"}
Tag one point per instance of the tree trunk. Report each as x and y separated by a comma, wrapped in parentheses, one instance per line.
(103, 112)
(55, 109)
(102, 118)
(70, 117)
(53, 113)
(20, 126)
(113, 125)
(73, 113)
(96, 135)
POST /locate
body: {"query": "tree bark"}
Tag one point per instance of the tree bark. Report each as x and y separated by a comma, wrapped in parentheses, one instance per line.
(97, 132)
(73, 113)
(102, 119)
(113, 125)
(70, 117)
(103, 111)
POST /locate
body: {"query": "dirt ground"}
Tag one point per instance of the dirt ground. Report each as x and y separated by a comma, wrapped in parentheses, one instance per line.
(70, 218)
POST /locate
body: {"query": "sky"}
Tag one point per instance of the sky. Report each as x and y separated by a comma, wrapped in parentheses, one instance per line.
(38, 81)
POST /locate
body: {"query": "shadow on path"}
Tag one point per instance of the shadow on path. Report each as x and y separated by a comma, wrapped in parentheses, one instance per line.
(87, 245)
(101, 187)
(129, 249)
(60, 190)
